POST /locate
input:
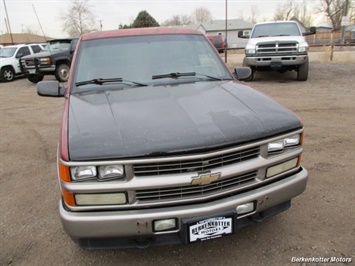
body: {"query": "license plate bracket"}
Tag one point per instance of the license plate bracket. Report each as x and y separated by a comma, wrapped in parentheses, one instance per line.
(210, 228)
(275, 65)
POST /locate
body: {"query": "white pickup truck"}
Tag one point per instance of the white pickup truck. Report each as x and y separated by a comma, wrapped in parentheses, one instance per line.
(278, 46)
(9, 59)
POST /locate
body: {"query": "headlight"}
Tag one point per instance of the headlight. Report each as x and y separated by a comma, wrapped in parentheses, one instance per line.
(45, 60)
(81, 173)
(280, 144)
(276, 145)
(250, 49)
(101, 173)
(303, 47)
(110, 172)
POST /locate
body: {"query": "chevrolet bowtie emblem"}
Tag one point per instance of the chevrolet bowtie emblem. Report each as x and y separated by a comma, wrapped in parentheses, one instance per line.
(204, 179)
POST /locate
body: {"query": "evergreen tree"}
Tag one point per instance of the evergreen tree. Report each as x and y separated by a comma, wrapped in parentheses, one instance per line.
(144, 20)
(125, 26)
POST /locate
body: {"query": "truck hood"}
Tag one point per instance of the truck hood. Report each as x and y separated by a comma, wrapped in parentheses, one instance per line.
(7, 61)
(43, 54)
(255, 41)
(167, 119)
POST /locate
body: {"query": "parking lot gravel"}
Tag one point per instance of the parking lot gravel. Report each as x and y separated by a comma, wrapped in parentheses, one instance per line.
(319, 224)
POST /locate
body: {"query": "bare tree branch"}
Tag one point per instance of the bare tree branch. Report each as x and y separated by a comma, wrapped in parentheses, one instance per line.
(200, 15)
(78, 18)
(177, 20)
(254, 13)
(334, 10)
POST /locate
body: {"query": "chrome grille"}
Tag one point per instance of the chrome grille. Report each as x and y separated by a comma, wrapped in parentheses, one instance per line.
(181, 192)
(277, 47)
(186, 166)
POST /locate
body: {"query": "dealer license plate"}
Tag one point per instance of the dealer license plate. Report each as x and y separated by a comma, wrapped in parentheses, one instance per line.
(210, 228)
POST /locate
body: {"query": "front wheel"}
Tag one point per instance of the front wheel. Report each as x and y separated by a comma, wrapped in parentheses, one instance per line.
(302, 72)
(35, 78)
(7, 74)
(62, 73)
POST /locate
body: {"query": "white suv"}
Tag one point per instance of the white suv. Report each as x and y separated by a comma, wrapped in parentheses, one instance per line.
(9, 59)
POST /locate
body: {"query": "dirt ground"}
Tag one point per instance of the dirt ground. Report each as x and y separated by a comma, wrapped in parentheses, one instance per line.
(320, 223)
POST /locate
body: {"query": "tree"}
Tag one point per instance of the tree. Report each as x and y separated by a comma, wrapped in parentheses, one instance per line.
(177, 20)
(125, 26)
(334, 10)
(144, 20)
(254, 13)
(283, 12)
(301, 12)
(200, 15)
(78, 19)
(29, 30)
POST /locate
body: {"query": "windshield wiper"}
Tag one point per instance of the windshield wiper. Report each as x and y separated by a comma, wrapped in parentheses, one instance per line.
(187, 74)
(174, 75)
(101, 81)
(209, 77)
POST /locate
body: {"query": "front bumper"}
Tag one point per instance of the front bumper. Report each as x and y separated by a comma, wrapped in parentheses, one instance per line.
(85, 227)
(37, 70)
(279, 60)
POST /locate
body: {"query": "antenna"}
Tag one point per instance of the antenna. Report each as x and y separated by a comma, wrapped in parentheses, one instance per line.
(39, 22)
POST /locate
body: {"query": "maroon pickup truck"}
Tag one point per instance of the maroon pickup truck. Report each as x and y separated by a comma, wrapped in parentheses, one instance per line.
(160, 143)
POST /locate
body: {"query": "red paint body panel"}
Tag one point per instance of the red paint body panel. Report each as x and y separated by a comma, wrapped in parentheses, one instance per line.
(135, 32)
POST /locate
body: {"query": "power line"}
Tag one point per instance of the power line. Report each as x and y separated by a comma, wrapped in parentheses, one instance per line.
(39, 23)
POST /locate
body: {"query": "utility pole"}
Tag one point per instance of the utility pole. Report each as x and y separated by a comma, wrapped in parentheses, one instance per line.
(12, 40)
(100, 24)
(7, 26)
(345, 12)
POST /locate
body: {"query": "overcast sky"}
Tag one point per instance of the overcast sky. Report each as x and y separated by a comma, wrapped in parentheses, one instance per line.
(113, 12)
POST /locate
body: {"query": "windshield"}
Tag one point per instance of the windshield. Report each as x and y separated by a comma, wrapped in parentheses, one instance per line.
(140, 58)
(276, 29)
(7, 51)
(58, 45)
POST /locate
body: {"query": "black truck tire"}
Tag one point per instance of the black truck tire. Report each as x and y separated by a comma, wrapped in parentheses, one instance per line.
(7, 74)
(302, 72)
(62, 72)
(35, 78)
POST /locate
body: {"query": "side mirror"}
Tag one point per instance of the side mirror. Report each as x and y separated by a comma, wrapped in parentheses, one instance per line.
(50, 89)
(312, 30)
(241, 35)
(242, 73)
(19, 55)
